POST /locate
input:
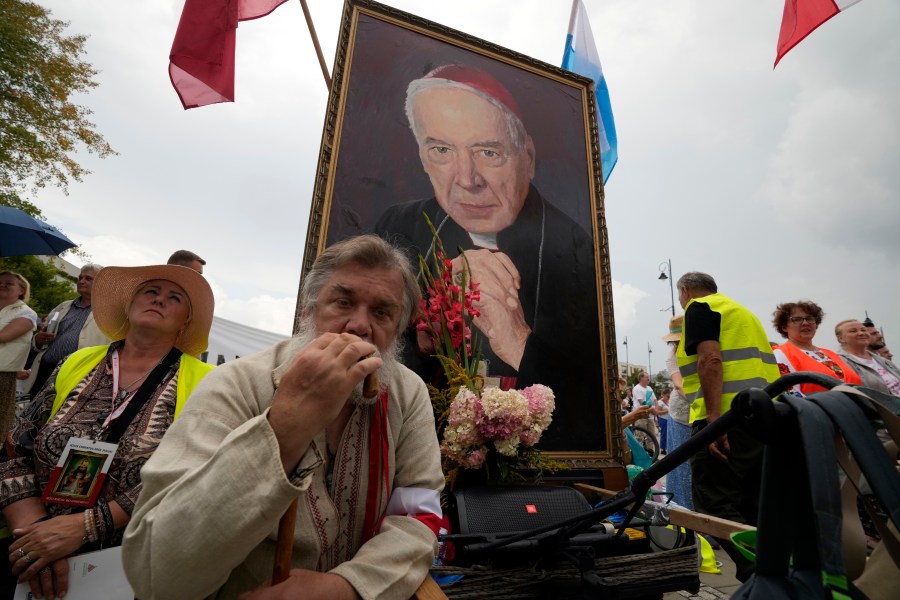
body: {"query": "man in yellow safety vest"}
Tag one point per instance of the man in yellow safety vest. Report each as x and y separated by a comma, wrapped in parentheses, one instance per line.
(723, 350)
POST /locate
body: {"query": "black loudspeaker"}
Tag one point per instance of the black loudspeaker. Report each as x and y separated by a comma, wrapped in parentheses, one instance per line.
(488, 514)
(499, 509)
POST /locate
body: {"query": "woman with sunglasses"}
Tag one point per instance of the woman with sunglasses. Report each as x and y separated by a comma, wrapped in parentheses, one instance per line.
(798, 322)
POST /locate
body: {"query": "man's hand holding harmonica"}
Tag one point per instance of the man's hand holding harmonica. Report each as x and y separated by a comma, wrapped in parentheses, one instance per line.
(313, 394)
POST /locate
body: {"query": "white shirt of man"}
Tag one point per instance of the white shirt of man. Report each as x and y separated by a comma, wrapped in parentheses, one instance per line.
(643, 395)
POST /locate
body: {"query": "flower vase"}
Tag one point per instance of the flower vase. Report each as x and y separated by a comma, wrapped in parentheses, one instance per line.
(501, 470)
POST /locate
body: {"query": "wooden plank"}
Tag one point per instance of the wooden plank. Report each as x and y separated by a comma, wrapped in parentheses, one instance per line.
(429, 590)
(615, 478)
(682, 517)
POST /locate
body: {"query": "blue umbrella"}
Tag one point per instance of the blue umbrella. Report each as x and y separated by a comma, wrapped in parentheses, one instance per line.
(21, 234)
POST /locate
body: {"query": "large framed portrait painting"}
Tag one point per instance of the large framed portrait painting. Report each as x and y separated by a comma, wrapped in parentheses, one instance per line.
(500, 151)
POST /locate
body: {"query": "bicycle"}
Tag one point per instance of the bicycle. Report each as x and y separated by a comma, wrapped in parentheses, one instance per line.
(647, 440)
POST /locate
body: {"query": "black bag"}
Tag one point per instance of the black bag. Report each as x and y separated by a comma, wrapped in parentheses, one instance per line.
(799, 552)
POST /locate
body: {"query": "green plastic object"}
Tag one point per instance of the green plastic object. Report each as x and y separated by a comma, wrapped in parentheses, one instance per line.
(745, 542)
(633, 471)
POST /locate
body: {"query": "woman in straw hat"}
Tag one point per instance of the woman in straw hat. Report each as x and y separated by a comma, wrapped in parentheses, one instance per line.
(109, 406)
(678, 481)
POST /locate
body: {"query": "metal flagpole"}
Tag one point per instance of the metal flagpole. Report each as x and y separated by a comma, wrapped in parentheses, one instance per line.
(315, 41)
(663, 276)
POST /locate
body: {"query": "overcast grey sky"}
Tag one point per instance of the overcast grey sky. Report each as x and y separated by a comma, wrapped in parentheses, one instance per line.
(781, 184)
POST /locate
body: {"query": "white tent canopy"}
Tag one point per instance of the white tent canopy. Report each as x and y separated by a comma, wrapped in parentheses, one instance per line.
(229, 340)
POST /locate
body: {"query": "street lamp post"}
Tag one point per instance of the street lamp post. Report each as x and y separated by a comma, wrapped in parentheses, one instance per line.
(869, 323)
(665, 272)
(649, 365)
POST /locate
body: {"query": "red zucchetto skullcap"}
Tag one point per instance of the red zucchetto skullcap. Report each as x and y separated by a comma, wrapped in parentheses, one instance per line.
(479, 81)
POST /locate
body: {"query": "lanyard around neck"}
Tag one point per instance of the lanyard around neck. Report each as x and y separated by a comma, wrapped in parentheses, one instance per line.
(117, 410)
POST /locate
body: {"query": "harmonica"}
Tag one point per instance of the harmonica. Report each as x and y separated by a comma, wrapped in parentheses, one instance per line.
(370, 385)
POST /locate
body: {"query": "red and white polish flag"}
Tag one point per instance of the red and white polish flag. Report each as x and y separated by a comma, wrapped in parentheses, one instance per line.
(802, 17)
(201, 62)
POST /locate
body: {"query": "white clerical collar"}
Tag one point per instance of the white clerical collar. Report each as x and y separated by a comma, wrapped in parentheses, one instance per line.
(485, 240)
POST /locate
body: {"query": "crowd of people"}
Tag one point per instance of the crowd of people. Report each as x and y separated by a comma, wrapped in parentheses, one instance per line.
(718, 348)
(107, 451)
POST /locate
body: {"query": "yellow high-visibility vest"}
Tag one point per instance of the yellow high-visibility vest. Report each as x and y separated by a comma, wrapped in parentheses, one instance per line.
(81, 362)
(747, 358)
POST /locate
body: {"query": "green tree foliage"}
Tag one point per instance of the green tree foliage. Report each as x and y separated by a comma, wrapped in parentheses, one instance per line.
(633, 378)
(47, 289)
(41, 128)
(660, 382)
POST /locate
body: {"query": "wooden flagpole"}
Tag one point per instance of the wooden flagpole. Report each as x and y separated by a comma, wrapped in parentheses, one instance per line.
(315, 41)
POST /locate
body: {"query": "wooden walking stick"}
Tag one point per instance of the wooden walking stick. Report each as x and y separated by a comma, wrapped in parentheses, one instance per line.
(284, 547)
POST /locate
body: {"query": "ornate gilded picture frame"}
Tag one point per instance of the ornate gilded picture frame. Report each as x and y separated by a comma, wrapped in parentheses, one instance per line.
(375, 176)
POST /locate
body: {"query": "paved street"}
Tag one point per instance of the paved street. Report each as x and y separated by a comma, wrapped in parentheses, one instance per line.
(712, 586)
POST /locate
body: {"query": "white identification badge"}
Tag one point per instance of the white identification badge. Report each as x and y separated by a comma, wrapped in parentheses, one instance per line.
(80, 472)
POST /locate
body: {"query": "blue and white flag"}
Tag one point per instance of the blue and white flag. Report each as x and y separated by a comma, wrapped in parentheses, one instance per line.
(580, 56)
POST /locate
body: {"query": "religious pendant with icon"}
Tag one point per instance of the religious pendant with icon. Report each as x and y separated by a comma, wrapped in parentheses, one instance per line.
(79, 474)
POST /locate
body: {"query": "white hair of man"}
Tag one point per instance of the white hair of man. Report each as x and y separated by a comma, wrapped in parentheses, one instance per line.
(695, 281)
(514, 125)
(367, 251)
(91, 267)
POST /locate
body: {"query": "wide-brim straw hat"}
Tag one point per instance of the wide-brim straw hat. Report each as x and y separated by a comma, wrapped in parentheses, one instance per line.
(675, 324)
(114, 287)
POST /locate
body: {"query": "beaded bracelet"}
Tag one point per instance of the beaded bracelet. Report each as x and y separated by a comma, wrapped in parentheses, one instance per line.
(98, 522)
(90, 529)
(95, 534)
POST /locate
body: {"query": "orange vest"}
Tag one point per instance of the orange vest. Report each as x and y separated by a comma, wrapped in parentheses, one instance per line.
(801, 361)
